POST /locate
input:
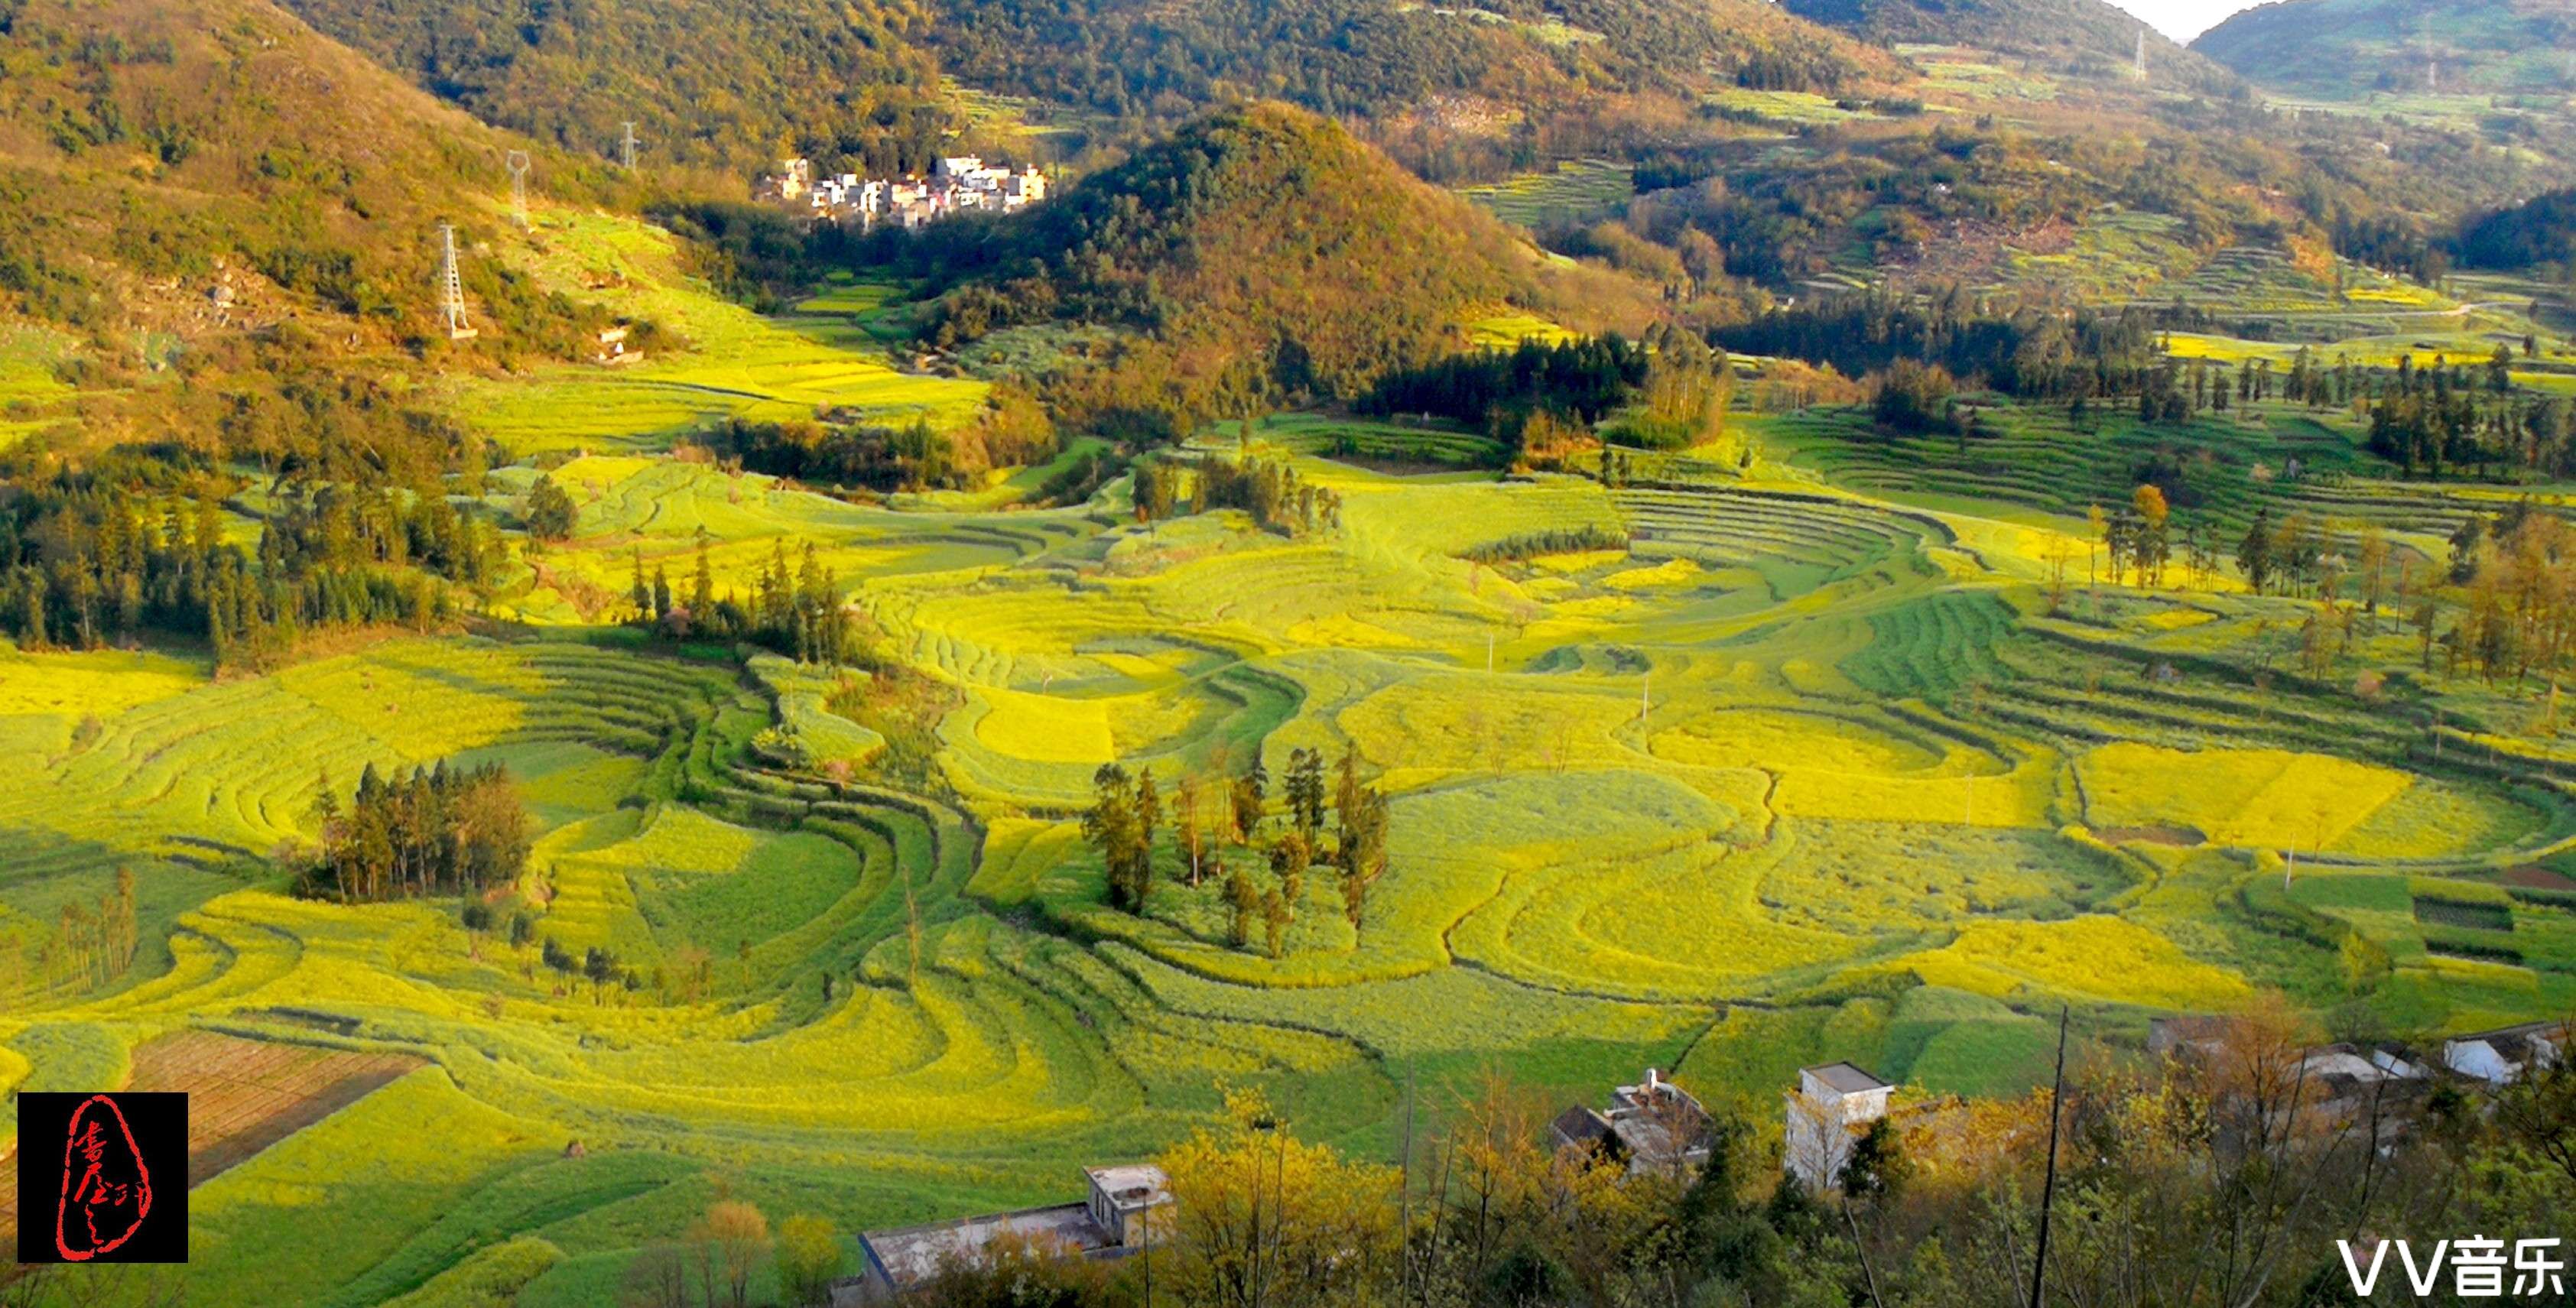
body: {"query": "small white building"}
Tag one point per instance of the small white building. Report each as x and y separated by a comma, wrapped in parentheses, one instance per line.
(2501, 1056)
(1123, 1198)
(1833, 1104)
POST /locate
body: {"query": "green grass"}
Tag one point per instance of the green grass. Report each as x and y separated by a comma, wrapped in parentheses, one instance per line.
(735, 364)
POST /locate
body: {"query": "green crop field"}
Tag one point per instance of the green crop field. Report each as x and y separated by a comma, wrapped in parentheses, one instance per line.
(1572, 192)
(1774, 763)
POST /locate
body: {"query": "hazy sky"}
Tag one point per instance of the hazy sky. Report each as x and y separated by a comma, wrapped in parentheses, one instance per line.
(2183, 19)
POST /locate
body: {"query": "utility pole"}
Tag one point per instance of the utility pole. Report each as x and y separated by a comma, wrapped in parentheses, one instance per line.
(518, 163)
(451, 287)
(2048, 1188)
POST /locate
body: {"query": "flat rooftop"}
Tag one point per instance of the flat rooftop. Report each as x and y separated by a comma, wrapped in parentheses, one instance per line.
(912, 1254)
(1844, 1077)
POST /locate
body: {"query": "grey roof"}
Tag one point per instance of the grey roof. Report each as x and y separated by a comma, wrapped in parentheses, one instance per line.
(1580, 1125)
(1845, 1077)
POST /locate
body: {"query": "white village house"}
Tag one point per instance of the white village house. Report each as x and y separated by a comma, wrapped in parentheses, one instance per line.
(957, 184)
(1833, 1104)
(2501, 1056)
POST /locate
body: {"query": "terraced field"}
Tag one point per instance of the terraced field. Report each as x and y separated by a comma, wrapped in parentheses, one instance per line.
(1811, 766)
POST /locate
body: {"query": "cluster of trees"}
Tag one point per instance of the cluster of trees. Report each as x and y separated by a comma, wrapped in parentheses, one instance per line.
(1268, 489)
(87, 559)
(795, 607)
(2440, 418)
(2223, 1181)
(912, 457)
(714, 1263)
(92, 945)
(1208, 815)
(436, 831)
(2520, 573)
(1498, 390)
(2027, 352)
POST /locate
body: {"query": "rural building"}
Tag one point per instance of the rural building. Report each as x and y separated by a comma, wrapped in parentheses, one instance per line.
(957, 184)
(2500, 1056)
(1654, 1126)
(612, 352)
(1833, 1104)
(1112, 1219)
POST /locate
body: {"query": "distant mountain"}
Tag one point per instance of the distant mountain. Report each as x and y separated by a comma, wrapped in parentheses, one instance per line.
(1259, 251)
(2344, 48)
(2086, 35)
(712, 83)
(1449, 87)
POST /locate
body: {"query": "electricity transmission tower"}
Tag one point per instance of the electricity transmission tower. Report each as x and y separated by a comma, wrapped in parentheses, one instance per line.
(2432, 70)
(626, 148)
(451, 287)
(518, 164)
(2141, 70)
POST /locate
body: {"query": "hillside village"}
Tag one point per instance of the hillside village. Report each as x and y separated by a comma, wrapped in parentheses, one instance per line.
(2318, 1095)
(957, 184)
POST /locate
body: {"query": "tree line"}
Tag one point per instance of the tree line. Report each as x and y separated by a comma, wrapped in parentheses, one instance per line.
(87, 560)
(2028, 352)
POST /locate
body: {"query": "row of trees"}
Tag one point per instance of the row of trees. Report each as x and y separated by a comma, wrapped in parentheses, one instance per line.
(438, 830)
(1127, 814)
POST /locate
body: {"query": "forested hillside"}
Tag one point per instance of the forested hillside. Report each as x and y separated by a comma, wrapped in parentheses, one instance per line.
(1259, 253)
(723, 83)
(1452, 91)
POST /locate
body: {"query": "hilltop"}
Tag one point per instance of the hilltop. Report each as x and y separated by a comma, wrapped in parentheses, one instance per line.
(716, 83)
(2083, 36)
(1259, 251)
(2340, 49)
(194, 168)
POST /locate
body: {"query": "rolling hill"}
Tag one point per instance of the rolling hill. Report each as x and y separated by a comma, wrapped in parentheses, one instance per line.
(193, 167)
(2084, 36)
(2340, 49)
(1260, 250)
